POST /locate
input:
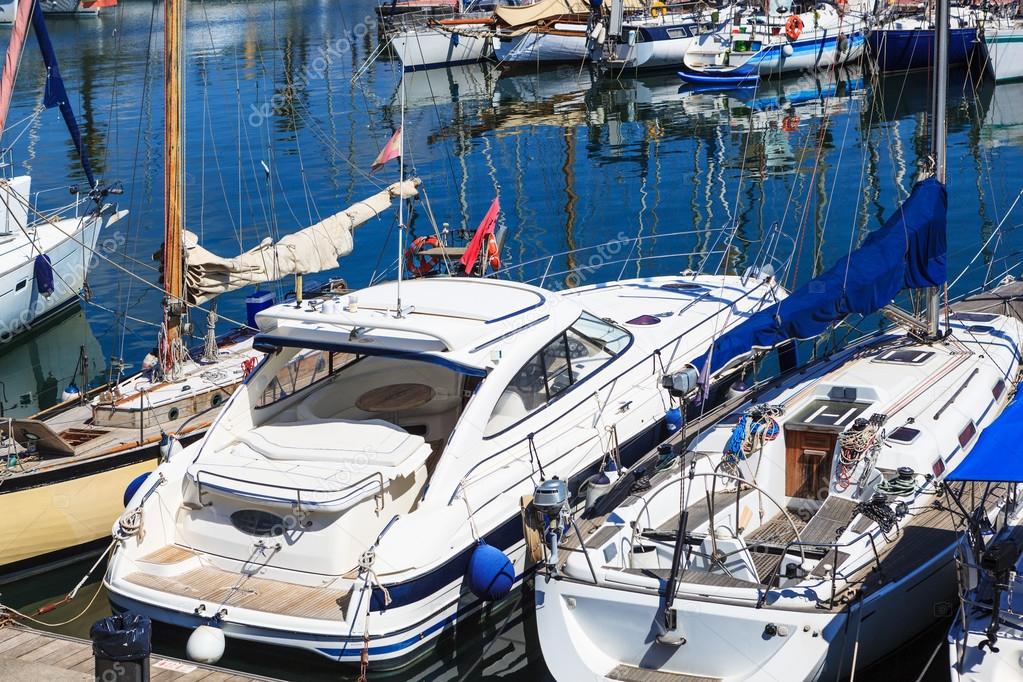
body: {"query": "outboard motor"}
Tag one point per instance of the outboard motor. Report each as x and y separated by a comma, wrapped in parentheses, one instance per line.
(551, 500)
(999, 561)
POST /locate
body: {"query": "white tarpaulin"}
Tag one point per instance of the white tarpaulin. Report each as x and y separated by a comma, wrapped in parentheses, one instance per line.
(313, 249)
(521, 15)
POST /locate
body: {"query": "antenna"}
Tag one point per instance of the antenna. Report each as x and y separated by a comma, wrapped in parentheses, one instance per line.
(401, 199)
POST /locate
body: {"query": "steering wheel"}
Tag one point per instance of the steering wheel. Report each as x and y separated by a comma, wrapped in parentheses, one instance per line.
(577, 349)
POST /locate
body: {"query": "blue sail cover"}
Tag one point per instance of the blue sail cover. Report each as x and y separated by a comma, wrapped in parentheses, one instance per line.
(908, 252)
(55, 95)
(998, 454)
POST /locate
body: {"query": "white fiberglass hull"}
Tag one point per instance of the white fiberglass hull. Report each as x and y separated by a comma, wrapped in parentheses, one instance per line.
(428, 48)
(834, 41)
(567, 43)
(586, 632)
(69, 244)
(658, 54)
(419, 587)
(1005, 52)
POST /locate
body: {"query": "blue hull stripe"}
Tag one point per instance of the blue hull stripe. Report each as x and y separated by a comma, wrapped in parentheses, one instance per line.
(504, 536)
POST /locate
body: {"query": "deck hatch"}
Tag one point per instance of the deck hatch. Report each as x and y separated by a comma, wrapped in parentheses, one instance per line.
(826, 414)
(906, 356)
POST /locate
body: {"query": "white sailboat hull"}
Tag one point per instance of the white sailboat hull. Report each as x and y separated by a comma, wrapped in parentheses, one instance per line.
(1005, 52)
(569, 44)
(428, 48)
(69, 244)
(587, 631)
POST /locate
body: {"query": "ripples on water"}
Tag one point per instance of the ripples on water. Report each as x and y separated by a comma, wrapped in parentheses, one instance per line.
(576, 163)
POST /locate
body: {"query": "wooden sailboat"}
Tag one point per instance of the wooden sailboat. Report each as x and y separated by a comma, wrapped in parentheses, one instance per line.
(70, 468)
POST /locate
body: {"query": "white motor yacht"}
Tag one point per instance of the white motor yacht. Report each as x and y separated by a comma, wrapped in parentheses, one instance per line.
(362, 491)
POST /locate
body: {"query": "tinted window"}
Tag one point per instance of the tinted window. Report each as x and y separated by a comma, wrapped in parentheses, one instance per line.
(303, 370)
(571, 356)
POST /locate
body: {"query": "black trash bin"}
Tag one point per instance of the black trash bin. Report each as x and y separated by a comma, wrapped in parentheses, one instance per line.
(121, 646)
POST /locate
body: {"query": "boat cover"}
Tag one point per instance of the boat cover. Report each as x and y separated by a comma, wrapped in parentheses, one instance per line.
(314, 249)
(908, 252)
(997, 454)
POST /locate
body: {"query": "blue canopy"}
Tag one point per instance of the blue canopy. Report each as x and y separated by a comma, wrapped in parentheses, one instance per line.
(55, 95)
(908, 252)
(998, 454)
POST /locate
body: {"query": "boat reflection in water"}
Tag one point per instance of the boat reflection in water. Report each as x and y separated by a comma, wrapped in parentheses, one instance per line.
(777, 116)
(39, 366)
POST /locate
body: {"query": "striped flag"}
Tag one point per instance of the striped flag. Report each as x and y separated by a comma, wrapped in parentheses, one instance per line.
(391, 150)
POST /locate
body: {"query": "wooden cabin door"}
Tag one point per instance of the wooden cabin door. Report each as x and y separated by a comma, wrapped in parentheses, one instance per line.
(808, 456)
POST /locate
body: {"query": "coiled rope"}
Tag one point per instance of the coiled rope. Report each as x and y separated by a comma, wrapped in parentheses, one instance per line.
(758, 425)
(865, 437)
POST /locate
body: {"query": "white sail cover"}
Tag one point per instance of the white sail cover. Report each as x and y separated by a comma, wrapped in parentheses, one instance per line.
(521, 15)
(314, 249)
(515, 16)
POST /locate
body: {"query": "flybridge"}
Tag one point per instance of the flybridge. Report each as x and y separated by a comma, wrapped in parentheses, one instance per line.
(457, 321)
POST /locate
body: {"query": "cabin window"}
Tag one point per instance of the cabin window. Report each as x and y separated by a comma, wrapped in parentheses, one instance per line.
(566, 360)
(303, 370)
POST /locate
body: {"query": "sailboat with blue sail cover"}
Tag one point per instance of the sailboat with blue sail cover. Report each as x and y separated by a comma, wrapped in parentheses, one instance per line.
(762, 546)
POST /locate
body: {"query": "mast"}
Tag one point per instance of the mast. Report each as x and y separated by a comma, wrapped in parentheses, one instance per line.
(938, 133)
(173, 210)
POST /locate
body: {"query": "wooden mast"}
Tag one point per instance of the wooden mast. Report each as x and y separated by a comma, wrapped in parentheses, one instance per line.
(174, 199)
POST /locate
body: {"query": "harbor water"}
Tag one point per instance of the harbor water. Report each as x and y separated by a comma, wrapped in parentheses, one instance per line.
(288, 103)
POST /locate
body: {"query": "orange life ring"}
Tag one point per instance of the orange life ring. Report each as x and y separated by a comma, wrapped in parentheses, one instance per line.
(793, 27)
(493, 253)
(417, 263)
(790, 123)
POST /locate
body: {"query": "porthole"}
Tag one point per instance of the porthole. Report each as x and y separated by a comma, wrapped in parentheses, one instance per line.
(173, 413)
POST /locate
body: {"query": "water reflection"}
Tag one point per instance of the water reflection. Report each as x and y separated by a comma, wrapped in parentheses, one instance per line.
(38, 365)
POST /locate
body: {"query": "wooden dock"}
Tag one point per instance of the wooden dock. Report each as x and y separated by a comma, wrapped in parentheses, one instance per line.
(34, 656)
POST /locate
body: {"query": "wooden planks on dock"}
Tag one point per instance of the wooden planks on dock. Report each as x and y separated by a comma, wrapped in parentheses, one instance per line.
(31, 655)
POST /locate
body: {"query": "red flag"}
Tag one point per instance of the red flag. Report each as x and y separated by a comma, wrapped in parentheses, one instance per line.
(391, 150)
(486, 227)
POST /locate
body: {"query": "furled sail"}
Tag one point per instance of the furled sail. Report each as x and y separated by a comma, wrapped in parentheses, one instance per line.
(522, 15)
(908, 252)
(313, 249)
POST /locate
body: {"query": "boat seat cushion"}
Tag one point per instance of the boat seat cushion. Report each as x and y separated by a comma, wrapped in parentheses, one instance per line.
(372, 442)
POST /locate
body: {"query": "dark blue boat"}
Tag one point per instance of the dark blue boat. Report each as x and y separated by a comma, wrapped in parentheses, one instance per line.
(723, 79)
(901, 49)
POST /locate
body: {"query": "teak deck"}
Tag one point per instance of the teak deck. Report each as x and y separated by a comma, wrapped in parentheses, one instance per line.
(226, 589)
(75, 655)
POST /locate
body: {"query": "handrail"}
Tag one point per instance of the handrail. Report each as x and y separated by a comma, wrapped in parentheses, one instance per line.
(353, 487)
